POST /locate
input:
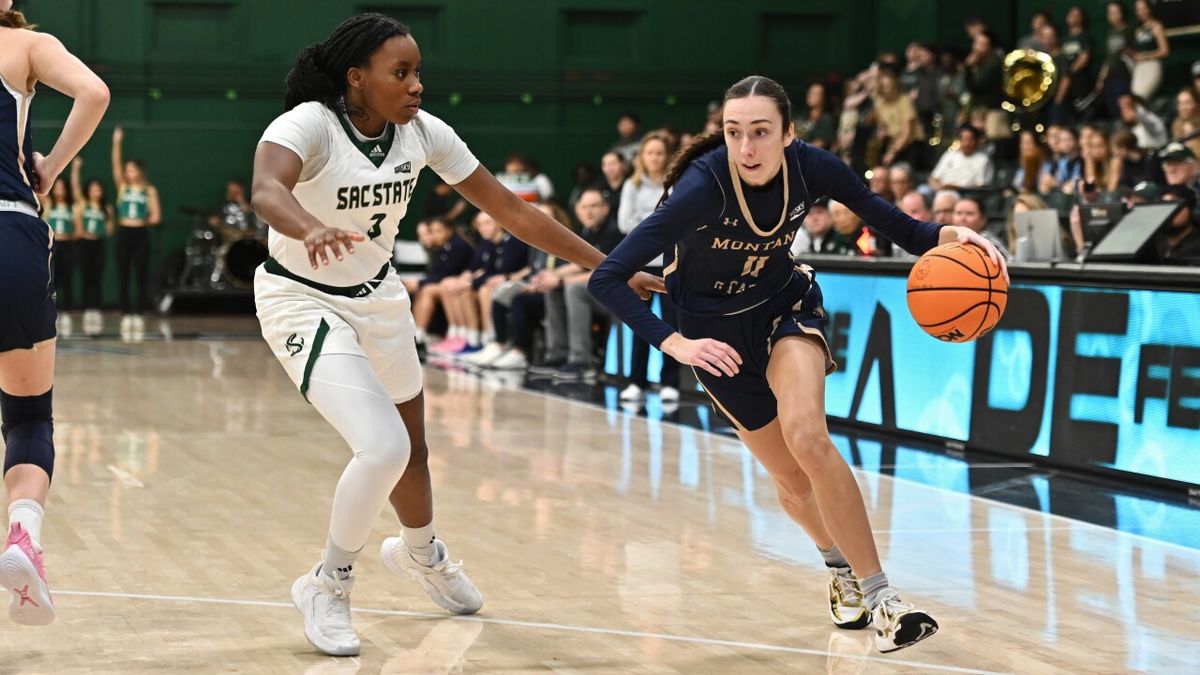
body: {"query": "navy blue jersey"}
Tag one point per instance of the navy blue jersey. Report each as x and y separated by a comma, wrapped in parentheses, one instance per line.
(449, 260)
(512, 254)
(726, 245)
(16, 146)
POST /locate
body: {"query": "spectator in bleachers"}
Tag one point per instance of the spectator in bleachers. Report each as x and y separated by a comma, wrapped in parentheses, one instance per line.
(848, 225)
(583, 176)
(821, 237)
(964, 166)
(915, 206)
(1180, 243)
(1058, 109)
(1179, 166)
(1130, 164)
(1023, 203)
(450, 256)
(572, 313)
(1032, 157)
(638, 198)
(1115, 75)
(497, 256)
(1077, 47)
(615, 170)
(952, 85)
(817, 126)
(522, 177)
(1035, 39)
(1187, 117)
(629, 132)
(1149, 49)
(1148, 128)
(901, 181)
(1096, 158)
(880, 182)
(897, 128)
(520, 303)
(943, 206)
(984, 83)
(1065, 166)
(968, 213)
(923, 83)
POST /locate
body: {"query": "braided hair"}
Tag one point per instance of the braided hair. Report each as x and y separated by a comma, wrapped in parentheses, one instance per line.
(755, 85)
(319, 73)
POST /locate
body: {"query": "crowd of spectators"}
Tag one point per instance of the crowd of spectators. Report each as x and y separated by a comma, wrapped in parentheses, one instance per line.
(928, 130)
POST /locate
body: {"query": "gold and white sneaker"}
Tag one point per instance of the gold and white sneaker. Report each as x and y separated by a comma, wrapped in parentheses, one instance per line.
(847, 606)
(898, 624)
(446, 582)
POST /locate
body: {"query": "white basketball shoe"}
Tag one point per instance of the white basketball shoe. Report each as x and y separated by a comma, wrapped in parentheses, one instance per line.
(446, 582)
(847, 606)
(22, 573)
(898, 624)
(324, 602)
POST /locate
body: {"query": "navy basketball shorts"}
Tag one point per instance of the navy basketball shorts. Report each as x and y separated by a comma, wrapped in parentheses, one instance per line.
(746, 399)
(27, 312)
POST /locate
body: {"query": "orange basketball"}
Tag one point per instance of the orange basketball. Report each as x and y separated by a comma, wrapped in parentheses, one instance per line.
(956, 293)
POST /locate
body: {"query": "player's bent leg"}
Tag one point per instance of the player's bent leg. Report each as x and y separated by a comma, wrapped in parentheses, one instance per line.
(26, 409)
(846, 605)
(347, 393)
(418, 552)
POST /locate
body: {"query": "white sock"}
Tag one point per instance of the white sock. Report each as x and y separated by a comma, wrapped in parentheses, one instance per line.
(29, 514)
(421, 336)
(473, 338)
(455, 332)
(419, 542)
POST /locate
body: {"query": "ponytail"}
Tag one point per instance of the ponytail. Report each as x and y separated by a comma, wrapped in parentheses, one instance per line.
(319, 73)
(13, 19)
(685, 155)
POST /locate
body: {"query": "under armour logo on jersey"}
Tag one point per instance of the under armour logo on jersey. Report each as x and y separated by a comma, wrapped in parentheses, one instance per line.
(295, 344)
(732, 222)
(404, 168)
(375, 152)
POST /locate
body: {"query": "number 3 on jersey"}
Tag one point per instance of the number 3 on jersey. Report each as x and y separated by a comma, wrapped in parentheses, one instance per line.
(376, 223)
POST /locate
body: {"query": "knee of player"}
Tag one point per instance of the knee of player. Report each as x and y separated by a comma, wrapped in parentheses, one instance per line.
(794, 487)
(28, 430)
(389, 451)
(809, 442)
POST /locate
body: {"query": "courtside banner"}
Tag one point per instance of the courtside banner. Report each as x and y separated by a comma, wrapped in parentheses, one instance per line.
(1087, 377)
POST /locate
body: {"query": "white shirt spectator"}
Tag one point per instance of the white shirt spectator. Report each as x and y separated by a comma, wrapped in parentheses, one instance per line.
(958, 170)
(1150, 130)
(637, 201)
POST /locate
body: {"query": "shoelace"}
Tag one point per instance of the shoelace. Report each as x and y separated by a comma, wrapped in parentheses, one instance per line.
(848, 587)
(337, 605)
(893, 605)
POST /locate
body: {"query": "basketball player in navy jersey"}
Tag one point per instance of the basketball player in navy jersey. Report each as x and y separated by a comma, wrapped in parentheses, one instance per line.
(27, 312)
(753, 323)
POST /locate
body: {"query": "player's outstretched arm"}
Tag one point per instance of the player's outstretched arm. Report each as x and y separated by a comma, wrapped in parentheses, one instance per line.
(51, 63)
(276, 170)
(537, 229)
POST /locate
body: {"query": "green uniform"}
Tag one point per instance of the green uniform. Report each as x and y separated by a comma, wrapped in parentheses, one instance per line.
(59, 218)
(95, 222)
(133, 203)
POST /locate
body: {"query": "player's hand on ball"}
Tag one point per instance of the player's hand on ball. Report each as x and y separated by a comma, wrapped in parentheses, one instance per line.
(953, 233)
(714, 356)
(321, 241)
(646, 284)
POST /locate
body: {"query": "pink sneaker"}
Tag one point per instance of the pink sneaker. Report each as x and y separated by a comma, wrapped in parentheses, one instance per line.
(22, 572)
(449, 346)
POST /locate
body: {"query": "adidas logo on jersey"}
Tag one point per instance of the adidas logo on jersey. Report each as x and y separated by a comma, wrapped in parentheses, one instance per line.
(404, 168)
(376, 152)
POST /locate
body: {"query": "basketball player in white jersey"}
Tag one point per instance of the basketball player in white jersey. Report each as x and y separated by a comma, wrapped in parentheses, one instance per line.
(27, 311)
(333, 177)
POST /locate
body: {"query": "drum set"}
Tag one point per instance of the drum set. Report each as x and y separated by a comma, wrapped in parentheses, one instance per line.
(223, 250)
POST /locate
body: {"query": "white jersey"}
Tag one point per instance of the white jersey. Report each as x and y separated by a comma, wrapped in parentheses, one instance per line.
(359, 184)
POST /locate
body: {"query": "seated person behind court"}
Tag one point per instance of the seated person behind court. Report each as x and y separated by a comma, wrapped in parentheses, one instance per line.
(968, 213)
(963, 167)
(1179, 242)
(449, 256)
(822, 238)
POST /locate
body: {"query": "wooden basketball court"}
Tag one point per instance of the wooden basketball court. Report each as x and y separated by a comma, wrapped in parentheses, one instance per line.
(193, 485)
